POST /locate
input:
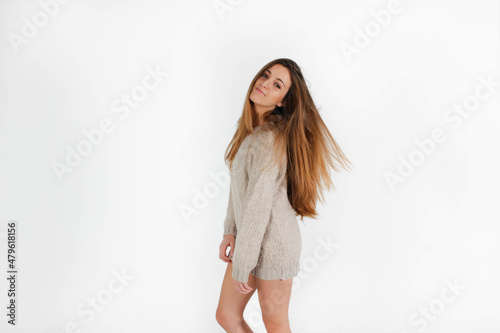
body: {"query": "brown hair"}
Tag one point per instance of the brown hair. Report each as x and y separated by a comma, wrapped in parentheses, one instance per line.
(302, 134)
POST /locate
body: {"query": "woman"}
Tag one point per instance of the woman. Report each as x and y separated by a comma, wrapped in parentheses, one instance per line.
(279, 158)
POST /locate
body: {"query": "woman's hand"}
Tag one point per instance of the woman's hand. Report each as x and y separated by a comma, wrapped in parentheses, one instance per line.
(228, 240)
(241, 287)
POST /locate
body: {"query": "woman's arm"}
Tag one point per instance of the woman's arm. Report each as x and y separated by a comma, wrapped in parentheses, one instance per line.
(229, 222)
(256, 206)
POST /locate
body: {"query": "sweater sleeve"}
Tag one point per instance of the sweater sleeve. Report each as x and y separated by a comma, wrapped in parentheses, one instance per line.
(229, 222)
(256, 209)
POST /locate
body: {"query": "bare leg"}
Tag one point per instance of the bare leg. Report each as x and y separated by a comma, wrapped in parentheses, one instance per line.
(274, 298)
(232, 304)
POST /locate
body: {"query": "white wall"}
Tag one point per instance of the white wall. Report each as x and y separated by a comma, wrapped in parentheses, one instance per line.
(132, 205)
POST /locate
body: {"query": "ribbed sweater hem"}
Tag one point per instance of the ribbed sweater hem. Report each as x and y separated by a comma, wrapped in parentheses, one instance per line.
(265, 273)
(229, 230)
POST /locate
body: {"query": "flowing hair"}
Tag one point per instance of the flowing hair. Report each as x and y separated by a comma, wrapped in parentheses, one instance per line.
(301, 134)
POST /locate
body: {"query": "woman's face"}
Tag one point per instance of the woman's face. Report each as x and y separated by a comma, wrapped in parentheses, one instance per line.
(270, 89)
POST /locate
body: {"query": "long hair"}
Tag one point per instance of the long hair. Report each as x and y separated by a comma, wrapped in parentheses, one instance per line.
(301, 134)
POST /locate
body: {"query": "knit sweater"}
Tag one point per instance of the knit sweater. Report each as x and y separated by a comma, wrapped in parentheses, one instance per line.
(268, 243)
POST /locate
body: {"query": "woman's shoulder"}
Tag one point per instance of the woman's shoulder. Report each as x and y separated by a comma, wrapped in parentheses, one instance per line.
(265, 147)
(263, 137)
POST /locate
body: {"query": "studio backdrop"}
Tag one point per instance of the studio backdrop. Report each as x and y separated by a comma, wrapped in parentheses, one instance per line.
(114, 121)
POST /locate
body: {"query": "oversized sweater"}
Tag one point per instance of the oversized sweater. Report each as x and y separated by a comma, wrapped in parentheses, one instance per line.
(268, 243)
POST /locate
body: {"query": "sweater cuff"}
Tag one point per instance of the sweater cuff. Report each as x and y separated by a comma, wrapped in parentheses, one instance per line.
(229, 230)
(241, 274)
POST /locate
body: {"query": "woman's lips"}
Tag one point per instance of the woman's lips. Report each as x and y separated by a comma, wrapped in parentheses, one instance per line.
(260, 91)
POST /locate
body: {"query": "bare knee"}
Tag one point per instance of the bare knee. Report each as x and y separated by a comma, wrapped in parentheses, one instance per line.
(223, 317)
(228, 319)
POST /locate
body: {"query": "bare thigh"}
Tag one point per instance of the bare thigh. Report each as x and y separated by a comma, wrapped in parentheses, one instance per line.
(274, 299)
(232, 303)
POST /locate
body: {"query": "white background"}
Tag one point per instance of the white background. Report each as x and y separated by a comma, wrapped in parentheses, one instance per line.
(145, 203)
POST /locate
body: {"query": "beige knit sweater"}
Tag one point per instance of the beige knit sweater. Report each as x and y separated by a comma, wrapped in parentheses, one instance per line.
(268, 241)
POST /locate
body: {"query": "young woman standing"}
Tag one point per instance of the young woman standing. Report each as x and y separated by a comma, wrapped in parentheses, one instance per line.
(279, 161)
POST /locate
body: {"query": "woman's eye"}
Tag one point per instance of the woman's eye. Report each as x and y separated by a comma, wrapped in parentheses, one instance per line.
(265, 75)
